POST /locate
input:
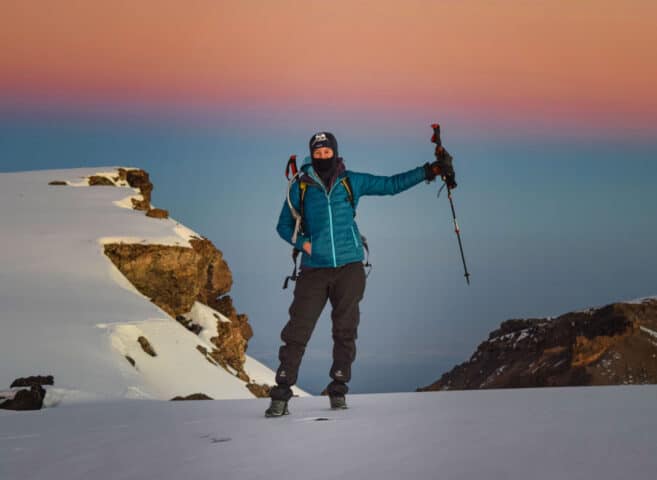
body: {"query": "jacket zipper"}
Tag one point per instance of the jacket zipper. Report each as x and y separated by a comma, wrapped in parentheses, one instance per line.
(328, 198)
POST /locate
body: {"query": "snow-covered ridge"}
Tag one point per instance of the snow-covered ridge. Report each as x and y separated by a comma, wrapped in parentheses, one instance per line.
(67, 310)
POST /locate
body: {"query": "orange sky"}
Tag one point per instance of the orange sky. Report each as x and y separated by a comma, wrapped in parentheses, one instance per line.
(522, 55)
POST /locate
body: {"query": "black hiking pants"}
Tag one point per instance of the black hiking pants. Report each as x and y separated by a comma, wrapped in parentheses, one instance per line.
(344, 286)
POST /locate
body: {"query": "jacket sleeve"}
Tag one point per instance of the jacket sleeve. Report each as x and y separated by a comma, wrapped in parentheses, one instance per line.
(367, 184)
(286, 222)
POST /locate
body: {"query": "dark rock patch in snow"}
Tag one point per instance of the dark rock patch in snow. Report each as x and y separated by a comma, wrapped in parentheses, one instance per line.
(26, 399)
(146, 346)
(99, 180)
(34, 380)
(157, 213)
(258, 390)
(189, 325)
(193, 396)
(31, 399)
(206, 354)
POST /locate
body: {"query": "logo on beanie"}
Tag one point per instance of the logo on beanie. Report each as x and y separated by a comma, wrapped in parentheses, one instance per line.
(320, 137)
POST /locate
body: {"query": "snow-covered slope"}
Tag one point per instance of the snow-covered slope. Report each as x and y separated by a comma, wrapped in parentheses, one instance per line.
(67, 311)
(601, 433)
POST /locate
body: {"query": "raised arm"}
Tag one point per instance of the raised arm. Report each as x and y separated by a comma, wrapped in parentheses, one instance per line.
(367, 184)
(286, 222)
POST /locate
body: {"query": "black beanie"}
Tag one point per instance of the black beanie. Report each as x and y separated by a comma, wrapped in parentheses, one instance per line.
(323, 139)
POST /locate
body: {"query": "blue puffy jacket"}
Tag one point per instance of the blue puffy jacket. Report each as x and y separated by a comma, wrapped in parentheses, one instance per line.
(328, 222)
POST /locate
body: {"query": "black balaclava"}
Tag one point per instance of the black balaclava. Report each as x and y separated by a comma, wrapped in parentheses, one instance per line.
(325, 168)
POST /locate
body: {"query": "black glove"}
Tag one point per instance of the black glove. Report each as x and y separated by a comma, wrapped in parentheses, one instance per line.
(443, 167)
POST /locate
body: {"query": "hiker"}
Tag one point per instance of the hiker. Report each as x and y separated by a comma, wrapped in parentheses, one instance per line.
(332, 259)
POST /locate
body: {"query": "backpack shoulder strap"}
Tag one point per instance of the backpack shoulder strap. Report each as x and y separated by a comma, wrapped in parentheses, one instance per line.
(302, 193)
(350, 192)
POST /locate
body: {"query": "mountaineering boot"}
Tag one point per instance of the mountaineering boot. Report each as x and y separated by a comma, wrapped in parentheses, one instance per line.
(277, 408)
(338, 402)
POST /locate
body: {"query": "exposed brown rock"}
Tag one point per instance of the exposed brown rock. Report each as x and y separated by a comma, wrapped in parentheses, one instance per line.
(206, 354)
(142, 205)
(258, 390)
(146, 346)
(231, 345)
(168, 275)
(157, 213)
(218, 278)
(217, 357)
(187, 323)
(193, 396)
(224, 305)
(99, 180)
(130, 359)
(33, 380)
(31, 399)
(138, 178)
(173, 277)
(58, 182)
(611, 345)
(123, 174)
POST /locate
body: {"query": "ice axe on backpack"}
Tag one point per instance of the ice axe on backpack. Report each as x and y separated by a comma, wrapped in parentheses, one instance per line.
(435, 138)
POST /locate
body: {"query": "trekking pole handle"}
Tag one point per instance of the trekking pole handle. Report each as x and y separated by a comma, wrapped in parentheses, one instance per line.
(435, 138)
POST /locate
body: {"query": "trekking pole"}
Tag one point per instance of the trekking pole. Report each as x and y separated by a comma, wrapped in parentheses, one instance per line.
(439, 150)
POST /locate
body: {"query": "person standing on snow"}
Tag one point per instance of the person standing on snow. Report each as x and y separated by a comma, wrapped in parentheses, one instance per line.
(332, 262)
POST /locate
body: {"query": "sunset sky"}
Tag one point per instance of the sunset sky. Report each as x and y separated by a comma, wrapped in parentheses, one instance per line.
(549, 109)
(588, 63)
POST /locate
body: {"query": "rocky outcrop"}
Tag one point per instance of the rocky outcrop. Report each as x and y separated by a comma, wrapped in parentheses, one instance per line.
(96, 180)
(175, 277)
(34, 380)
(157, 213)
(612, 345)
(26, 399)
(138, 178)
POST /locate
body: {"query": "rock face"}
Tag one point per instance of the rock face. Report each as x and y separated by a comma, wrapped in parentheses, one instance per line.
(612, 345)
(26, 399)
(175, 277)
(138, 178)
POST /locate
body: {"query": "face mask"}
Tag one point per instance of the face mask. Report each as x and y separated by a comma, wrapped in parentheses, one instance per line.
(324, 166)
